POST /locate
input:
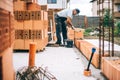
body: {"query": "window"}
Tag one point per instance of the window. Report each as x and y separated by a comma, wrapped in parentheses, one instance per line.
(51, 1)
(118, 8)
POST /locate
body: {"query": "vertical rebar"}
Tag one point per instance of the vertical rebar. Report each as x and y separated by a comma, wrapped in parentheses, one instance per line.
(109, 27)
(112, 27)
(10, 29)
(100, 22)
(102, 28)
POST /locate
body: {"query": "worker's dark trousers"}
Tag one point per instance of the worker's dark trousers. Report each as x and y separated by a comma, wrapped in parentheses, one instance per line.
(60, 27)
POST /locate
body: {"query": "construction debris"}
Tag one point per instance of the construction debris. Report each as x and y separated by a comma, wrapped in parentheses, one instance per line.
(34, 73)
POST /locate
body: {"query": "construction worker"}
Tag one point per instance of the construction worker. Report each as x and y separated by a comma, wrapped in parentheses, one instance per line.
(63, 19)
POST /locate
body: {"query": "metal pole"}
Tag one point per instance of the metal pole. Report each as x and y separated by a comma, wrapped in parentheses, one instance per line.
(109, 27)
(112, 27)
(102, 28)
(93, 51)
(100, 22)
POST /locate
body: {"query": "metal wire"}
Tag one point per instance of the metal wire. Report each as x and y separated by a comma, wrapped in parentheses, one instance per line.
(34, 73)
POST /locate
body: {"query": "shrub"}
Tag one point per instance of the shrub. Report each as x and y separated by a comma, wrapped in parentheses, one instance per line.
(88, 30)
(117, 29)
(86, 34)
(107, 19)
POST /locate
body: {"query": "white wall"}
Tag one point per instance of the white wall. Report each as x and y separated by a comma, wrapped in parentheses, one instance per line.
(60, 4)
(94, 8)
(105, 5)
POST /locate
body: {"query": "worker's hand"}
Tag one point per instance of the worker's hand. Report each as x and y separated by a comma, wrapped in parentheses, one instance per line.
(76, 30)
(73, 27)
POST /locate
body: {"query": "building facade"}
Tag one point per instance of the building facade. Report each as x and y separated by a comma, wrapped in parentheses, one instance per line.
(117, 8)
(98, 7)
(94, 7)
(54, 4)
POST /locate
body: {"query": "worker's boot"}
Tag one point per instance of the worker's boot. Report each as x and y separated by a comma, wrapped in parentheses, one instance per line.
(57, 44)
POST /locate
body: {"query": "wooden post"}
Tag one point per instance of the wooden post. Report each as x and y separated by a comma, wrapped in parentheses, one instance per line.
(32, 53)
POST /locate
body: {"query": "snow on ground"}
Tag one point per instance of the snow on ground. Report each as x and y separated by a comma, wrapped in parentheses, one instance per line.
(61, 62)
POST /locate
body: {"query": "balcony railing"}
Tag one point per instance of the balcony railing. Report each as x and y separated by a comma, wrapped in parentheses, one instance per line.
(117, 14)
(117, 1)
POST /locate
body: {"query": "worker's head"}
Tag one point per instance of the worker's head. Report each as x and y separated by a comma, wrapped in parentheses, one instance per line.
(76, 11)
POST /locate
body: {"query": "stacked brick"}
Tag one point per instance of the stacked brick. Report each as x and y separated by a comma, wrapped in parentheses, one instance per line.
(6, 30)
(31, 25)
(6, 39)
(85, 47)
(111, 67)
(44, 7)
(70, 34)
(76, 34)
